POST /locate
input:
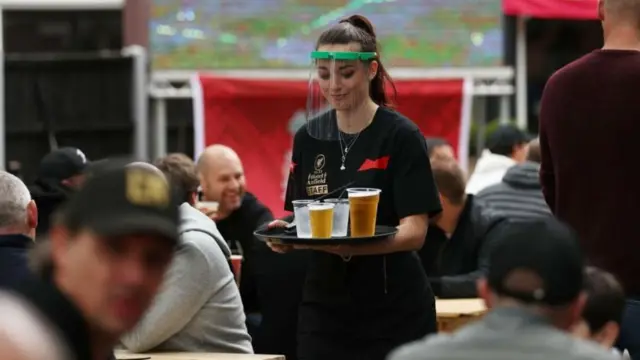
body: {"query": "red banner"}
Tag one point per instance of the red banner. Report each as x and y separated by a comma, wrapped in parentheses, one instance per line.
(257, 118)
(552, 9)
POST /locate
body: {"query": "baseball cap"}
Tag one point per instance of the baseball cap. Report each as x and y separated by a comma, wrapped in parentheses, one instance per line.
(506, 137)
(62, 163)
(122, 200)
(537, 262)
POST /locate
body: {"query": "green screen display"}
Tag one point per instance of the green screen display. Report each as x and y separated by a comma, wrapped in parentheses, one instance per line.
(280, 34)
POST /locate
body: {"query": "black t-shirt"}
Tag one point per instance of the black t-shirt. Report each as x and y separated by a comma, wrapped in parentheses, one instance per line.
(391, 155)
(238, 228)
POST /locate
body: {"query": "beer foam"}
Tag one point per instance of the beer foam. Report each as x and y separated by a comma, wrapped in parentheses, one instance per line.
(364, 193)
(320, 206)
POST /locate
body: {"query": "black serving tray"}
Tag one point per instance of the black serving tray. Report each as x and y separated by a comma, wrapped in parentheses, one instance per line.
(288, 236)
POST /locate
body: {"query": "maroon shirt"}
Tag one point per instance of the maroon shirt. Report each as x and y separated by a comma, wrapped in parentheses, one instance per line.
(590, 142)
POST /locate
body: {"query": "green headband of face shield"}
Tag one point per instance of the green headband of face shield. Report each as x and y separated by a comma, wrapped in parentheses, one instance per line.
(343, 55)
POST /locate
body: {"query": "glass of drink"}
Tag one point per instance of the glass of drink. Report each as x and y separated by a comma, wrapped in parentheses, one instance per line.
(363, 211)
(340, 216)
(321, 219)
(301, 218)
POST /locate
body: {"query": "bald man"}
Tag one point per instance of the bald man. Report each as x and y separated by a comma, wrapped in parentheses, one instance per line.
(239, 214)
(222, 179)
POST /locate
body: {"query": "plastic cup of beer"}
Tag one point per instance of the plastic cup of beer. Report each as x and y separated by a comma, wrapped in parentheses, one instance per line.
(340, 216)
(301, 218)
(321, 219)
(363, 211)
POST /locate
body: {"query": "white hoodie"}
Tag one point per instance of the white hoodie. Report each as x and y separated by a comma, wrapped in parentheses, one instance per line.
(489, 170)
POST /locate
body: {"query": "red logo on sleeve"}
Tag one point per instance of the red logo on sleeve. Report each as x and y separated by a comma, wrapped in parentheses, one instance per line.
(377, 164)
(292, 166)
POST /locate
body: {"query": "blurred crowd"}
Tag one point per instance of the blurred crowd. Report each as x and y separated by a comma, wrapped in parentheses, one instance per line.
(96, 243)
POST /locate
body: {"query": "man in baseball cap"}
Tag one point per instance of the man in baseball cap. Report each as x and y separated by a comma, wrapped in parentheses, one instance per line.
(109, 248)
(534, 290)
(60, 173)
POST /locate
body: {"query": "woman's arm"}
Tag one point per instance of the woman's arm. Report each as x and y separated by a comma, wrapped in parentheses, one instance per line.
(410, 237)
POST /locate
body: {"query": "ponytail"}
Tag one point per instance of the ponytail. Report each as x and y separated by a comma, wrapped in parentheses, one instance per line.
(377, 86)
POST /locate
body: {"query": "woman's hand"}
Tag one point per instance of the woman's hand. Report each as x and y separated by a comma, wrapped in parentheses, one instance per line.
(340, 250)
(273, 243)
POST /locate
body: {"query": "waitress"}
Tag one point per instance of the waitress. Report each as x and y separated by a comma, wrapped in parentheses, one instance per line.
(361, 302)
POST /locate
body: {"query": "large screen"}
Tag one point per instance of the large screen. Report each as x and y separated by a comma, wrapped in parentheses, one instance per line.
(279, 34)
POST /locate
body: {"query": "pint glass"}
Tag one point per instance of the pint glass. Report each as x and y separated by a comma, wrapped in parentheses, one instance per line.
(363, 210)
(321, 219)
(301, 218)
(340, 216)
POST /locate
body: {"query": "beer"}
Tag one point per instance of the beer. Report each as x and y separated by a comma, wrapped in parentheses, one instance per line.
(321, 219)
(363, 211)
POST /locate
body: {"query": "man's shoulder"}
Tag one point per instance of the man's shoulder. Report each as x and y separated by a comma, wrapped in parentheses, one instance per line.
(492, 190)
(430, 347)
(253, 208)
(469, 343)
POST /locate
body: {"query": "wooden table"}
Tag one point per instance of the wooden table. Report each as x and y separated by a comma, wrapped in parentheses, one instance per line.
(454, 313)
(125, 355)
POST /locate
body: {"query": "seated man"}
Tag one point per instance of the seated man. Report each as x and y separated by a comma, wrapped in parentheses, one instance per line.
(263, 287)
(519, 195)
(506, 146)
(199, 307)
(534, 293)
(60, 173)
(602, 314)
(18, 220)
(456, 250)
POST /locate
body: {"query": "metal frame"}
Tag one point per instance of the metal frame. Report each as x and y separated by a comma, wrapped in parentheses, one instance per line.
(166, 85)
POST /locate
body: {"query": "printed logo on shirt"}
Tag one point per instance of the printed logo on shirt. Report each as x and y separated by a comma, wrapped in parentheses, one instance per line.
(317, 181)
(375, 164)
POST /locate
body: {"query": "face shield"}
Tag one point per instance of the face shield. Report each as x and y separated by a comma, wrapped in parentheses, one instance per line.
(338, 82)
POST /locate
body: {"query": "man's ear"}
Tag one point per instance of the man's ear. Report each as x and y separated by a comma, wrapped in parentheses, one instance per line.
(601, 10)
(32, 215)
(59, 238)
(608, 334)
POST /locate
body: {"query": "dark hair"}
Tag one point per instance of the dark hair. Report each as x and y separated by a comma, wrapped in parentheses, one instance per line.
(450, 180)
(605, 299)
(435, 142)
(358, 29)
(181, 172)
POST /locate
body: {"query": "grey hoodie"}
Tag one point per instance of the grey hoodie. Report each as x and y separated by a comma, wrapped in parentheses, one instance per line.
(519, 195)
(198, 308)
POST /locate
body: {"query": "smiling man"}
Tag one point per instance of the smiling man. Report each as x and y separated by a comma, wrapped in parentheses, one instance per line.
(105, 260)
(272, 317)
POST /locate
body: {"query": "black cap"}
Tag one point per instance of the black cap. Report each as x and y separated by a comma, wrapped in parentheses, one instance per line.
(537, 262)
(505, 137)
(123, 200)
(62, 164)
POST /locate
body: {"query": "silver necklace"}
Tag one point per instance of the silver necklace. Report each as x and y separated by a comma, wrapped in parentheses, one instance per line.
(347, 147)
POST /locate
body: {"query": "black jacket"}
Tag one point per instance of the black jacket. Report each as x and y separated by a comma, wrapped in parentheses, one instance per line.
(13, 259)
(453, 265)
(519, 195)
(49, 196)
